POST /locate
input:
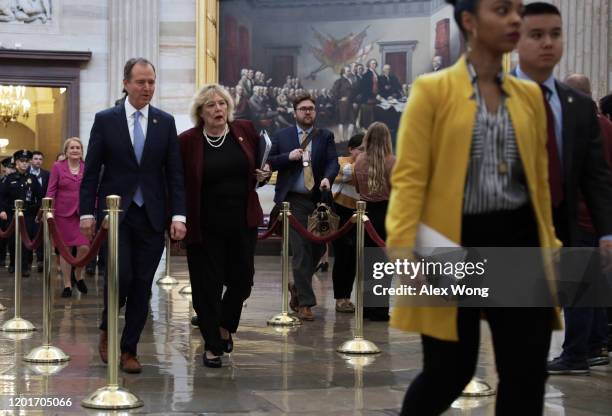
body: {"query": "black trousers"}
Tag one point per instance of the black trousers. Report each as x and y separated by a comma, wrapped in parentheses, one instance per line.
(377, 212)
(343, 273)
(227, 259)
(140, 249)
(26, 255)
(521, 336)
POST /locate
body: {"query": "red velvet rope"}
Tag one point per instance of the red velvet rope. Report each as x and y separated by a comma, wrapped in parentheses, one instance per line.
(373, 234)
(321, 240)
(25, 238)
(9, 231)
(270, 231)
(65, 252)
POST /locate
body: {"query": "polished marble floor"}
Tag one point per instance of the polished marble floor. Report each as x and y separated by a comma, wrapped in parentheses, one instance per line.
(270, 372)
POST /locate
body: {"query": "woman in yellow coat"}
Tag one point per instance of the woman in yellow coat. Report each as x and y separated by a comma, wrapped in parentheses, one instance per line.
(472, 165)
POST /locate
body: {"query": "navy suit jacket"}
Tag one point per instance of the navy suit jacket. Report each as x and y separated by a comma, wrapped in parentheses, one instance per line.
(44, 174)
(111, 167)
(324, 160)
(584, 167)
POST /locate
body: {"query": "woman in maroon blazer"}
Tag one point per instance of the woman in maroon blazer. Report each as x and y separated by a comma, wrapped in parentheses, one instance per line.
(223, 212)
(64, 185)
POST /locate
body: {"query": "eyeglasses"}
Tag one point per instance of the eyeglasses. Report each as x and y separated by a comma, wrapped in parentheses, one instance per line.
(306, 109)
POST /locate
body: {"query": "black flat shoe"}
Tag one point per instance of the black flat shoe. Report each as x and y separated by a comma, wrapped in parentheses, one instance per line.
(80, 284)
(211, 362)
(228, 344)
(67, 293)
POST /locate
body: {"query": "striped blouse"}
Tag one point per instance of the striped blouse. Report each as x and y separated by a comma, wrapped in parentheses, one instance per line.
(495, 179)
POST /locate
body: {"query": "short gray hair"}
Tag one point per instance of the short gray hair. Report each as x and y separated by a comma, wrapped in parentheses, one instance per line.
(204, 95)
(127, 69)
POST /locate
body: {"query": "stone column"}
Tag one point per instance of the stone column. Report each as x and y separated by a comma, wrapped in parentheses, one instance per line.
(133, 32)
(586, 26)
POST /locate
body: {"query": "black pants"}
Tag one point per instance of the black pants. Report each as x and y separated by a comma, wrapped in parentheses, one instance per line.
(140, 249)
(521, 336)
(343, 273)
(222, 259)
(26, 255)
(377, 212)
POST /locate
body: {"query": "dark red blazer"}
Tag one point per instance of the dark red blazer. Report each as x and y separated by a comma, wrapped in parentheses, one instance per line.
(192, 150)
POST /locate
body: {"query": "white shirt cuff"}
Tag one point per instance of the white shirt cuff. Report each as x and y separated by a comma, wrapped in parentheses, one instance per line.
(87, 217)
(179, 218)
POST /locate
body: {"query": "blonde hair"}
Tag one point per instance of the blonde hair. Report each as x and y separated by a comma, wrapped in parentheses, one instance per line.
(70, 140)
(204, 95)
(377, 147)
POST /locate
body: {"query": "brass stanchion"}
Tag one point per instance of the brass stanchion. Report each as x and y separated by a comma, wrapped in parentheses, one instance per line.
(112, 396)
(359, 345)
(18, 324)
(167, 279)
(478, 388)
(284, 319)
(2, 307)
(185, 290)
(47, 353)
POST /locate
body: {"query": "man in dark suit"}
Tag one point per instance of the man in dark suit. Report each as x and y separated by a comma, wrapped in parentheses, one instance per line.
(43, 179)
(303, 172)
(136, 145)
(576, 159)
(389, 85)
(369, 90)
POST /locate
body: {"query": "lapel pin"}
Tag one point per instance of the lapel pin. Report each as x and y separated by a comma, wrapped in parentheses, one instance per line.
(154, 121)
(570, 99)
(240, 138)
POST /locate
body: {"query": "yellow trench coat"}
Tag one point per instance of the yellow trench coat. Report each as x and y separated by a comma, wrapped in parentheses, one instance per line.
(433, 151)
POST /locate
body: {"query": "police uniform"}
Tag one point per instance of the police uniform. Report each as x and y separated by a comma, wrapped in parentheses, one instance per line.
(26, 187)
(7, 163)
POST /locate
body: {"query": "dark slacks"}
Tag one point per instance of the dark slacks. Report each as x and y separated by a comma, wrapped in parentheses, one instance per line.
(586, 329)
(521, 336)
(306, 255)
(140, 249)
(343, 273)
(222, 259)
(26, 255)
(377, 212)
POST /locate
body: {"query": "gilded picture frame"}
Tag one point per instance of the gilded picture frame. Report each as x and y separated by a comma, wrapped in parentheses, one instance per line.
(207, 42)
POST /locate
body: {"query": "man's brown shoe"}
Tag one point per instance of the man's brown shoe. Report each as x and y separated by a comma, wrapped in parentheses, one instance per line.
(305, 313)
(103, 346)
(129, 363)
(293, 300)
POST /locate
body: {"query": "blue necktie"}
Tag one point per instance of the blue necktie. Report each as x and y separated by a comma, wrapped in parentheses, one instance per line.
(139, 140)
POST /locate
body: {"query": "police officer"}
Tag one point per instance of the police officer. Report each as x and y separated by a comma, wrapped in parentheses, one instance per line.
(25, 186)
(6, 168)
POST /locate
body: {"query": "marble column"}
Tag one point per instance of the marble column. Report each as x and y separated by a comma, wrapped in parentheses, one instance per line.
(133, 32)
(586, 26)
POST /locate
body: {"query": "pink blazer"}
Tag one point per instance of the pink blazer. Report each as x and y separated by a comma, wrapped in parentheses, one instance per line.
(64, 188)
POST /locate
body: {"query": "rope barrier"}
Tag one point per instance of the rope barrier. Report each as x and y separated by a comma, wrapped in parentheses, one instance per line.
(373, 234)
(25, 238)
(65, 252)
(271, 230)
(316, 239)
(9, 231)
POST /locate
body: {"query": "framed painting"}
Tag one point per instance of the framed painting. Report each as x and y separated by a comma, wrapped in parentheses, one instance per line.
(358, 58)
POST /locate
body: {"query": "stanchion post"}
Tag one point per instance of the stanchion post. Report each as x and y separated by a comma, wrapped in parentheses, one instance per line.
(185, 290)
(18, 324)
(284, 319)
(168, 279)
(112, 396)
(359, 345)
(47, 353)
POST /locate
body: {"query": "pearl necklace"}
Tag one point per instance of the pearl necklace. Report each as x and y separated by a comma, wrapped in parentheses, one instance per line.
(74, 171)
(216, 142)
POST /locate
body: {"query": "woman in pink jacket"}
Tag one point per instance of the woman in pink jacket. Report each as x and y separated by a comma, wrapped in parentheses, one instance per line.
(64, 185)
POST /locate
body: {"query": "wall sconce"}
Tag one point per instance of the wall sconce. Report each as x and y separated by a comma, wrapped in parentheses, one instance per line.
(3, 143)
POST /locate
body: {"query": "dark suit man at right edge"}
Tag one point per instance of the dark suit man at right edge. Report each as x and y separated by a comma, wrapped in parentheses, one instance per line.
(576, 164)
(307, 163)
